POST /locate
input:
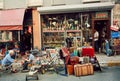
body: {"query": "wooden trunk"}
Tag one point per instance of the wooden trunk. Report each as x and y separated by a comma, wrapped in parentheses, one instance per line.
(77, 70)
(90, 68)
(83, 69)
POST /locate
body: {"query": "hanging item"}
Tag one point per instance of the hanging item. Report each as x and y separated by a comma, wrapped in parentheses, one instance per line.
(115, 26)
(29, 29)
(6, 36)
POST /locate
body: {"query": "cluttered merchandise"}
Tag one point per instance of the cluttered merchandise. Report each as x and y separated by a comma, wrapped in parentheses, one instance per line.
(77, 61)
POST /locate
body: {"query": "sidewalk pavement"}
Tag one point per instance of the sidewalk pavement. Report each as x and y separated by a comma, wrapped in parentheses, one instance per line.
(105, 60)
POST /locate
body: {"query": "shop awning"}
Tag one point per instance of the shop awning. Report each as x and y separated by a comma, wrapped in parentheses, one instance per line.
(11, 19)
(76, 8)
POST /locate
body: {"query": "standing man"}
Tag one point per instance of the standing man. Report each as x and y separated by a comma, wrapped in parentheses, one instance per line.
(96, 37)
(26, 41)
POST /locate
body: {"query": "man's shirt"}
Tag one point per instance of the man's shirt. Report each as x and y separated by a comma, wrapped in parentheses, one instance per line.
(31, 57)
(96, 35)
(7, 60)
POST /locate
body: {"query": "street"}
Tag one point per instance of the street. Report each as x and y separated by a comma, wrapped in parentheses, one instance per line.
(107, 74)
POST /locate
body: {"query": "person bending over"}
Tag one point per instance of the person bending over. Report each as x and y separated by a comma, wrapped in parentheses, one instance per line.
(28, 59)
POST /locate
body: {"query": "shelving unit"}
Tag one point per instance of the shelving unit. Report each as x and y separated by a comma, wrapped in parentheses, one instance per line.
(57, 27)
(53, 38)
(56, 38)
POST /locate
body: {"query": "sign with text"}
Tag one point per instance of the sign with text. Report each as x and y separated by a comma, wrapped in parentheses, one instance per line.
(101, 15)
(115, 34)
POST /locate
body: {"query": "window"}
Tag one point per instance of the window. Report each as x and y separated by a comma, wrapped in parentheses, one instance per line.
(5, 36)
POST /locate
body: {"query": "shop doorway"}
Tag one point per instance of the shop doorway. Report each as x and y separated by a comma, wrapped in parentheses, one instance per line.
(27, 32)
(102, 26)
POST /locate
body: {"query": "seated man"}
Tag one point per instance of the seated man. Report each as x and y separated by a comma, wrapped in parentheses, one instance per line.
(16, 51)
(27, 59)
(8, 60)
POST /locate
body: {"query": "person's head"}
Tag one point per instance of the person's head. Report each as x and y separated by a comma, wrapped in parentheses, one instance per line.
(11, 52)
(27, 53)
(16, 46)
(95, 30)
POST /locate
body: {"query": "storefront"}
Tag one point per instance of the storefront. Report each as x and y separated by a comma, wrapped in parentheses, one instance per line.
(11, 23)
(101, 22)
(16, 26)
(75, 21)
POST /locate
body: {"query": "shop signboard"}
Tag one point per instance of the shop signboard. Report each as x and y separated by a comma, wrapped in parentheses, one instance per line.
(101, 15)
(115, 34)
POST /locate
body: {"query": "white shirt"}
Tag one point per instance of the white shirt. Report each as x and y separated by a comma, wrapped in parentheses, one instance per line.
(96, 35)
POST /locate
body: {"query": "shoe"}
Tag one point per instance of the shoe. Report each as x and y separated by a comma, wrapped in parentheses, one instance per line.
(108, 55)
(13, 71)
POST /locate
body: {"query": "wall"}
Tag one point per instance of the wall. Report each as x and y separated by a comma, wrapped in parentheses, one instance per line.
(32, 3)
(66, 2)
(1, 4)
(60, 2)
(10, 4)
(116, 14)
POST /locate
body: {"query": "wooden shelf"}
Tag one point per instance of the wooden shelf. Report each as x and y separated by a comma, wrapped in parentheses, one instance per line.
(53, 31)
(73, 30)
(53, 42)
(61, 31)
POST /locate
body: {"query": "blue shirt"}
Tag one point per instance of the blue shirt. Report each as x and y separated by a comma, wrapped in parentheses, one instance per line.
(7, 60)
(31, 57)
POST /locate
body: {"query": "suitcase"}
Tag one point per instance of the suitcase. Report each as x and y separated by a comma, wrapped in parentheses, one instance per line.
(88, 52)
(70, 69)
(83, 69)
(77, 70)
(90, 69)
